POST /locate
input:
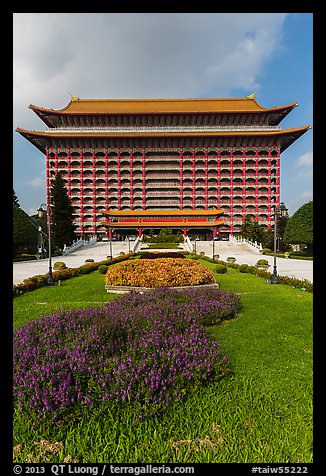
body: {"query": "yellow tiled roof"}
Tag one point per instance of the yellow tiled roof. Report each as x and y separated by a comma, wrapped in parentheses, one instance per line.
(165, 224)
(161, 106)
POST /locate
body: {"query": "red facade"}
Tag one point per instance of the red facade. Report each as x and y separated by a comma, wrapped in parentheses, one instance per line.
(190, 160)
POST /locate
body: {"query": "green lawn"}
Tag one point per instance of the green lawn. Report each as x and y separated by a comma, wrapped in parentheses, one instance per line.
(260, 413)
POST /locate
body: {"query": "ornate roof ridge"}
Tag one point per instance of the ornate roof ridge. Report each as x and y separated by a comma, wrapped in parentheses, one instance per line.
(160, 105)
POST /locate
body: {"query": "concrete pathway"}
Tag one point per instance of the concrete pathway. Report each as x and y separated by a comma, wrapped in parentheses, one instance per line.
(100, 251)
(294, 268)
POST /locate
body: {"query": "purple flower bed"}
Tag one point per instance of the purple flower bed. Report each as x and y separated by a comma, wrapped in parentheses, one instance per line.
(148, 349)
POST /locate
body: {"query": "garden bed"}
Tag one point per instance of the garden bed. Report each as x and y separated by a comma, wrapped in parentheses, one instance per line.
(152, 273)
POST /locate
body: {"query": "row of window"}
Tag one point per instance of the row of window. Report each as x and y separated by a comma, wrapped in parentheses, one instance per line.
(216, 190)
(148, 153)
(165, 163)
(161, 178)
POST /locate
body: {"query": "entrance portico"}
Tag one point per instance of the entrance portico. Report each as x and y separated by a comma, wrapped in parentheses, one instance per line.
(184, 220)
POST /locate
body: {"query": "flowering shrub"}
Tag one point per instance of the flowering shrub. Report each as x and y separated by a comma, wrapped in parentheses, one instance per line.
(148, 349)
(40, 280)
(159, 272)
(34, 282)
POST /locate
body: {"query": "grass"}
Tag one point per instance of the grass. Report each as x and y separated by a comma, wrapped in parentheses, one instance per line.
(260, 413)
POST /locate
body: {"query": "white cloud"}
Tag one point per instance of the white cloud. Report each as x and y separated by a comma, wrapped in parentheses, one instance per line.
(305, 160)
(308, 194)
(31, 211)
(37, 182)
(137, 55)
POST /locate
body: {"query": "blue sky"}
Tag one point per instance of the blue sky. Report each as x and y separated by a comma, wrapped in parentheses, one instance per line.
(158, 55)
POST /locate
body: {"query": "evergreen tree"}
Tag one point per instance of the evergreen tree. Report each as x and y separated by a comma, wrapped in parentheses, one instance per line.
(256, 232)
(268, 238)
(246, 227)
(25, 235)
(251, 230)
(15, 199)
(299, 228)
(62, 227)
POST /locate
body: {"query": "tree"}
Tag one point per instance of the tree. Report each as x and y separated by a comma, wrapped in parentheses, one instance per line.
(62, 227)
(25, 234)
(245, 227)
(251, 230)
(15, 199)
(299, 227)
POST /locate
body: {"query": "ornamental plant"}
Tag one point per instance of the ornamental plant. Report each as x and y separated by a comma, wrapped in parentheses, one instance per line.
(220, 268)
(102, 269)
(59, 265)
(159, 272)
(262, 262)
(168, 254)
(148, 350)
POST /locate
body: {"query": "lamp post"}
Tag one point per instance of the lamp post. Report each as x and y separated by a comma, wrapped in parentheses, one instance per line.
(213, 246)
(40, 245)
(40, 212)
(110, 237)
(283, 212)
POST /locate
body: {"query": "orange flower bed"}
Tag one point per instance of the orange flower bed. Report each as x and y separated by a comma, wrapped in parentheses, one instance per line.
(159, 272)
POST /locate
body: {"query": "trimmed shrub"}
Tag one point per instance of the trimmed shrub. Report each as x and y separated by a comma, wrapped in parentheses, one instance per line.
(24, 258)
(265, 251)
(102, 268)
(85, 269)
(243, 268)
(251, 269)
(220, 269)
(89, 260)
(153, 255)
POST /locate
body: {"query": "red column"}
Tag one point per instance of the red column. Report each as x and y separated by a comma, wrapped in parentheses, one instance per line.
(143, 181)
(131, 182)
(193, 181)
(47, 175)
(206, 181)
(140, 232)
(119, 181)
(68, 176)
(181, 181)
(185, 232)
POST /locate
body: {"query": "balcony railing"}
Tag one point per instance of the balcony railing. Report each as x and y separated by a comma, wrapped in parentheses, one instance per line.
(163, 129)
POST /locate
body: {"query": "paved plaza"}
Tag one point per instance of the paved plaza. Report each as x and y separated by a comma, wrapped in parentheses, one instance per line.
(301, 269)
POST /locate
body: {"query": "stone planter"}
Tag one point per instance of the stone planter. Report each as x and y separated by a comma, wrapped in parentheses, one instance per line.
(125, 289)
(262, 266)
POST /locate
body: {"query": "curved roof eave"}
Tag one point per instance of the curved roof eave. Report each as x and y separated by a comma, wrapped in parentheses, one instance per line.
(161, 134)
(162, 106)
